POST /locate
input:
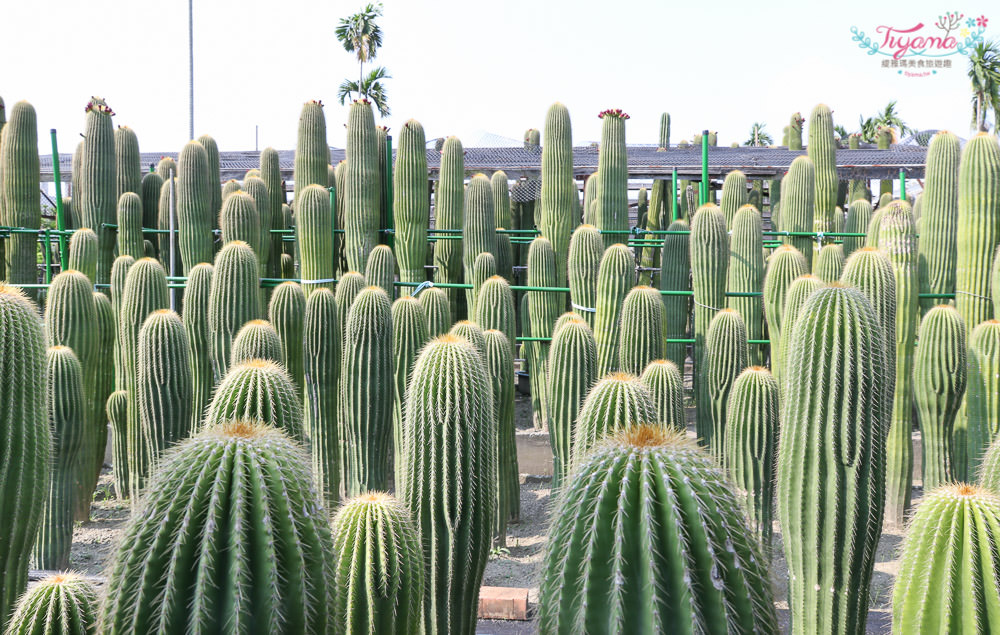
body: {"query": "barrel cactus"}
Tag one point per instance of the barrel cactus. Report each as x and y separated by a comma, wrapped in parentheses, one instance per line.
(83, 253)
(612, 170)
(449, 214)
(409, 334)
(437, 308)
(257, 391)
(314, 231)
(822, 149)
(500, 365)
(665, 383)
(381, 270)
(61, 604)
(981, 397)
(978, 230)
(495, 308)
(544, 308)
(798, 205)
(558, 185)
(195, 217)
(616, 402)
(256, 340)
(19, 190)
(829, 263)
(348, 288)
(195, 317)
(734, 195)
(361, 191)
(129, 219)
(859, 214)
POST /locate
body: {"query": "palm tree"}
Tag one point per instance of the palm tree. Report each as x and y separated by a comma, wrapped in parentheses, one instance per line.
(886, 118)
(984, 71)
(758, 137)
(361, 35)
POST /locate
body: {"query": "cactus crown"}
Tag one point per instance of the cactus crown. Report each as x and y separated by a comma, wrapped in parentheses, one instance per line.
(613, 112)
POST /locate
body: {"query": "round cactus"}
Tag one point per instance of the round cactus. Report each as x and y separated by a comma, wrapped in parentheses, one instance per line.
(701, 571)
(437, 308)
(617, 402)
(61, 604)
(233, 485)
(379, 567)
(286, 312)
(256, 340)
(586, 247)
(665, 383)
(572, 372)
(947, 581)
(726, 356)
(257, 391)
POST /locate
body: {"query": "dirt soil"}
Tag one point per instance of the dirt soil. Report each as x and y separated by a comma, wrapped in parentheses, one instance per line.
(519, 564)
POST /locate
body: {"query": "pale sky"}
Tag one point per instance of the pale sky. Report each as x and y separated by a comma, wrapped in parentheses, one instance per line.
(466, 68)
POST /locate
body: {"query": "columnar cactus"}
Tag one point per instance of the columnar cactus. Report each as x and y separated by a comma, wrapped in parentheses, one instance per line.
(214, 176)
(128, 168)
(257, 391)
(989, 468)
(734, 195)
(939, 381)
(586, 247)
(822, 150)
(752, 444)
(827, 446)
(940, 213)
(709, 245)
(61, 604)
(978, 227)
(411, 203)
(26, 442)
(234, 472)
(195, 217)
(20, 194)
(409, 334)
(286, 312)
(544, 308)
(495, 308)
(97, 195)
(195, 316)
(312, 153)
(232, 300)
(240, 220)
(119, 272)
(437, 308)
(314, 230)
(558, 186)
(117, 413)
(321, 353)
(348, 287)
(381, 270)
(67, 419)
(270, 173)
(145, 291)
(366, 391)
(656, 219)
(590, 200)
(572, 372)
(795, 132)
(479, 229)
(641, 329)
(499, 186)
(829, 263)
(898, 238)
(746, 274)
(361, 195)
(783, 266)
(798, 205)
(981, 398)
(106, 327)
(83, 253)
(612, 170)
(163, 386)
(151, 185)
(450, 453)
(448, 214)
(859, 215)
(951, 541)
(725, 358)
(379, 567)
(256, 340)
(795, 298)
(675, 275)
(163, 223)
(500, 366)
(665, 383)
(615, 403)
(129, 219)
(629, 492)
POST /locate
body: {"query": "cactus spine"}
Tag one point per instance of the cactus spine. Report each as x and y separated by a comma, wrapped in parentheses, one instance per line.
(437, 308)
(572, 372)
(256, 476)
(367, 391)
(830, 471)
(450, 453)
(67, 414)
(752, 444)
(798, 204)
(641, 329)
(448, 214)
(256, 340)
(586, 247)
(734, 195)
(381, 270)
(675, 268)
(379, 567)
(898, 238)
(951, 541)
(725, 358)
(500, 366)
(859, 215)
(822, 150)
(97, 182)
(314, 225)
(20, 194)
(619, 497)
(746, 274)
(233, 300)
(615, 403)
(939, 224)
(411, 203)
(612, 170)
(558, 200)
(783, 266)
(709, 248)
(409, 334)
(62, 604)
(939, 381)
(361, 195)
(665, 383)
(25, 446)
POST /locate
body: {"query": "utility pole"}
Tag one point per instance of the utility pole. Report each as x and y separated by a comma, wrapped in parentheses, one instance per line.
(191, 69)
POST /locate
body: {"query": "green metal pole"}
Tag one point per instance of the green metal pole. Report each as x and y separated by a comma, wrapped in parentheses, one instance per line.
(47, 246)
(902, 184)
(673, 195)
(333, 221)
(390, 221)
(60, 214)
(703, 194)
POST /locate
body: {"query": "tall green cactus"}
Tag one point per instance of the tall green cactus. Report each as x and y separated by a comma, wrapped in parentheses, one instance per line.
(798, 205)
(67, 419)
(450, 446)
(194, 206)
(163, 223)
(83, 253)
(898, 238)
(479, 229)
(822, 150)
(675, 275)
(314, 230)
(734, 195)
(989, 468)
(129, 219)
(939, 381)
(795, 132)
(449, 214)
(361, 195)
(649, 486)
(500, 367)
(128, 168)
(641, 330)
(795, 298)
(783, 266)
(947, 578)
(97, 182)
(665, 383)
(257, 339)
(590, 200)
(978, 228)
(381, 270)
(499, 186)
(270, 174)
(117, 413)
(495, 308)
(105, 327)
(61, 604)
(348, 287)
(586, 248)
(20, 194)
(195, 316)
(981, 398)
(312, 153)
(259, 392)
(411, 203)
(558, 186)
(366, 391)
(25, 445)
(232, 300)
(752, 445)
(615, 279)
(725, 358)
(831, 468)
(214, 177)
(615, 403)
(746, 274)
(145, 291)
(409, 334)
(859, 215)
(544, 308)
(240, 220)
(151, 185)
(286, 312)
(709, 248)
(322, 358)
(939, 224)
(379, 567)
(829, 263)
(572, 373)
(612, 170)
(236, 472)
(437, 308)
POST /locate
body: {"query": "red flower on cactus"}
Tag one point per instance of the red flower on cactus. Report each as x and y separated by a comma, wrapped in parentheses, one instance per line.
(613, 112)
(981, 21)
